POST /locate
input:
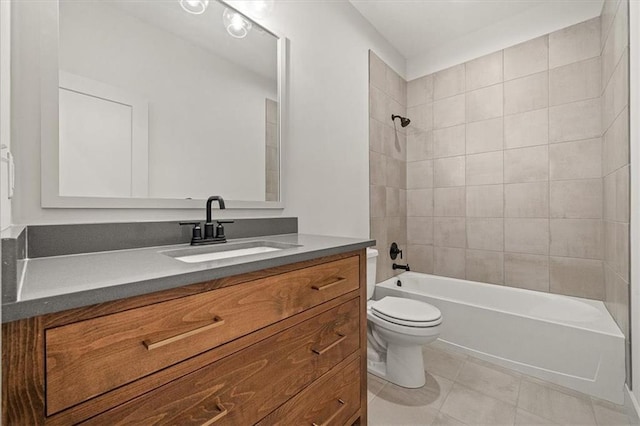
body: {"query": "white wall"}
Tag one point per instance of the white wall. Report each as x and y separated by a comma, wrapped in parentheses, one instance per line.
(526, 26)
(634, 102)
(5, 113)
(325, 163)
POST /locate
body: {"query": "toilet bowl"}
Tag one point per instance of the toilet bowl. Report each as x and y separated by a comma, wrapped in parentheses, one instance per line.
(397, 328)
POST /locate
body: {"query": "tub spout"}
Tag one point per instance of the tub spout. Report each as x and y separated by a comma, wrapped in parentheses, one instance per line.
(405, 267)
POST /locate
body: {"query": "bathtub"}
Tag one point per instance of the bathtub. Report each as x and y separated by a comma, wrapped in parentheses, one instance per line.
(569, 341)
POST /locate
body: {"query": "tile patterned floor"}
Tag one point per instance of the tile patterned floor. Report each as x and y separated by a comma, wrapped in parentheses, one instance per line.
(462, 390)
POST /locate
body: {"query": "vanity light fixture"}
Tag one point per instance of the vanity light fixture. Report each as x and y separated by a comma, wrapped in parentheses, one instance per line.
(196, 7)
(237, 25)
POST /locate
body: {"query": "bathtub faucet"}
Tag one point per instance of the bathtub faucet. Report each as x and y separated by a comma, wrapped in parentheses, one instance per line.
(405, 267)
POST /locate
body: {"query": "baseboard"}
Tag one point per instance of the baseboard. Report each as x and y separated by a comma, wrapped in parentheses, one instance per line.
(631, 403)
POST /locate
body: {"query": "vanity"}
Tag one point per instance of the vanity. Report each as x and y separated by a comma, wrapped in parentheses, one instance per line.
(282, 343)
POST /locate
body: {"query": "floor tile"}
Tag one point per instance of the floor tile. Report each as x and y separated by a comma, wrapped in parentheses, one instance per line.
(489, 381)
(608, 414)
(374, 386)
(552, 404)
(431, 395)
(472, 407)
(383, 412)
(524, 418)
(442, 363)
(444, 420)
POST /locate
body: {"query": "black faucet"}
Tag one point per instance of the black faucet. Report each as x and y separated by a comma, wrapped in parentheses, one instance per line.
(212, 235)
(405, 267)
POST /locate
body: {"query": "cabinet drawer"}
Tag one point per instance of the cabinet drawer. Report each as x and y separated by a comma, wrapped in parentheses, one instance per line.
(246, 386)
(331, 400)
(88, 358)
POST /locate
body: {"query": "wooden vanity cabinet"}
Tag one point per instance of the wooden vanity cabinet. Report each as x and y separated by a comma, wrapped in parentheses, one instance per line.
(285, 345)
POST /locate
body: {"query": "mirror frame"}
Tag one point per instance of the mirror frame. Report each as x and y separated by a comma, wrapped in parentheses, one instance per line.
(49, 131)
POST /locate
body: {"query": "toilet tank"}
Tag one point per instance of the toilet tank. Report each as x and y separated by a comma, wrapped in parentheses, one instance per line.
(372, 256)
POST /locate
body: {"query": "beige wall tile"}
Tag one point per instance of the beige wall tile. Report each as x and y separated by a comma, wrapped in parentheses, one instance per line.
(392, 203)
(576, 160)
(610, 194)
(616, 93)
(485, 103)
(617, 39)
(377, 201)
(449, 171)
(574, 43)
(577, 199)
(485, 266)
(484, 71)
(484, 136)
(577, 238)
(526, 200)
(420, 202)
(622, 250)
(526, 129)
(622, 194)
(449, 112)
(526, 58)
(449, 142)
(420, 174)
(449, 262)
(397, 230)
(575, 82)
(526, 164)
(485, 234)
(526, 93)
(377, 168)
(449, 201)
(421, 117)
(575, 121)
(616, 144)
(378, 231)
(403, 203)
(485, 201)
(378, 104)
(577, 277)
(485, 168)
(377, 71)
(528, 271)
(396, 87)
(396, 144)
(420, 258)
(609, 9)
(449, 82)
(526, 236)
(376, 134)
(419, 145)
(420, 91)
(420, 230)
(394, 173)
(449, 232)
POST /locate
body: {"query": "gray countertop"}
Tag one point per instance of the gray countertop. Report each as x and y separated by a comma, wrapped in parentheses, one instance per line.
(53, 284)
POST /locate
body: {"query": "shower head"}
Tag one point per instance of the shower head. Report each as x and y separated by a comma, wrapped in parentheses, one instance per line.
(404, 121)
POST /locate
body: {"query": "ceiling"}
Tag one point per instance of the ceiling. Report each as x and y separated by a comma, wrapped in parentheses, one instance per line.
(416, 27)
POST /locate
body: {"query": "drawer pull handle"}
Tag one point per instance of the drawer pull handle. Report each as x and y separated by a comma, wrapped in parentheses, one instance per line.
(341, 338)
(151, 344)
(343, 405)
(340, 280)
(223, 412)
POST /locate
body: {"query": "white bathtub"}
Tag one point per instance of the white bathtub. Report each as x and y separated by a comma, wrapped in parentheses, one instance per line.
(569, 341)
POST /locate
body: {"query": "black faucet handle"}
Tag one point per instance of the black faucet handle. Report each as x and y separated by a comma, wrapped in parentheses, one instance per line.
(225, 221)
(196, 233)
(220, 228)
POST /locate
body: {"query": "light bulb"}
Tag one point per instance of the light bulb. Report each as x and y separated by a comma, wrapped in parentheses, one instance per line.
(196, 7)
(237, 25)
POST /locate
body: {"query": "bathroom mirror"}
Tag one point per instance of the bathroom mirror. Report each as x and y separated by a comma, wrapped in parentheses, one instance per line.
(163, 103)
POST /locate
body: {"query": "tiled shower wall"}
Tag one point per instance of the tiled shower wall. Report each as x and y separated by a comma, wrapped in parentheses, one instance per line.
(615, 160)
(387, 156)
(504, 173)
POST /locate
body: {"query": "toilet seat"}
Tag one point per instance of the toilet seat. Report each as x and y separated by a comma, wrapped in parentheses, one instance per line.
(406, 312)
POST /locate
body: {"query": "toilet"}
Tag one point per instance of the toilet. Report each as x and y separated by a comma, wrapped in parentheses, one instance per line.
(397, 328)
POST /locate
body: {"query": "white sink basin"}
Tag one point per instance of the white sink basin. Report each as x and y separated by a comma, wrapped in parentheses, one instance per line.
(226, 251)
